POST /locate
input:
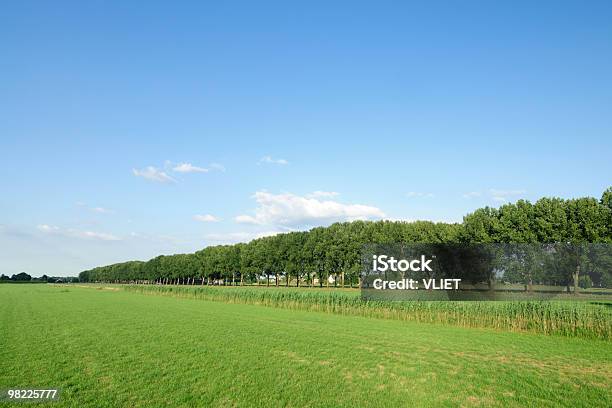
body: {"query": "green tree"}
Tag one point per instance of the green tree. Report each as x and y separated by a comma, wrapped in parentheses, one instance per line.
(21, 277)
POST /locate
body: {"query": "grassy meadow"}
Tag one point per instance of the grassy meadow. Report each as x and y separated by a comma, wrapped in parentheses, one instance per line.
(110, 347)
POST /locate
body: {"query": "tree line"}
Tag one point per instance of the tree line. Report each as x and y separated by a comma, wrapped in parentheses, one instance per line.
(23, 277)
(312, 257)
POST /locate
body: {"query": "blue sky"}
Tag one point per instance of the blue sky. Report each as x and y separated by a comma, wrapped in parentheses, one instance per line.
(130, 130)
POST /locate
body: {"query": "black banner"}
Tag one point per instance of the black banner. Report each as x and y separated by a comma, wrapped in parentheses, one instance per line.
(487, 272)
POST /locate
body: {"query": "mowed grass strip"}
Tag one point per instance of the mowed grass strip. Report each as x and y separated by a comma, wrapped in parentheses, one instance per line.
(110, 348)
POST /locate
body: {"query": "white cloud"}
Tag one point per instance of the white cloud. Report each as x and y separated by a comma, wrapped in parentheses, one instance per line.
(94, 235)
(291, 210)
(503, 195)
(217, 166)
(155, 238)
(99, 210)
(74, 233)
(418, 194)
(47, 228)
(246, 219)
(102, 210)
(322, 194)
(270, 160)
(189, 168)
(472, 194)
(206, 218)
(154, 174)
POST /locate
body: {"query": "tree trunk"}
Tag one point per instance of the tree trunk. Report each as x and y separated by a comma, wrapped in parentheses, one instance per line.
(530, 285)
(576, 277)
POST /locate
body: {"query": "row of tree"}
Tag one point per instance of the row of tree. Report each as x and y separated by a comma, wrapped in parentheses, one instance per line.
(312, 257)
(22, 277)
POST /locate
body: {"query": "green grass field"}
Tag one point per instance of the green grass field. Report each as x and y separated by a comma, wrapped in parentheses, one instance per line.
(114, 348)
(572, 318)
